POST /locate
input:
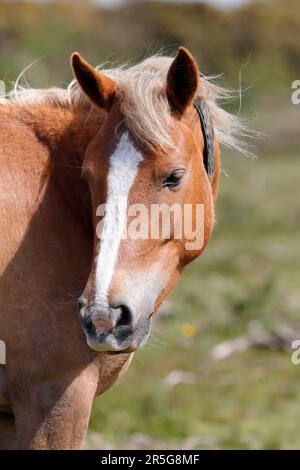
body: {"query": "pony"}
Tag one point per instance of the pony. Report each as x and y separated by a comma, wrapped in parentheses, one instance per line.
(118, 137)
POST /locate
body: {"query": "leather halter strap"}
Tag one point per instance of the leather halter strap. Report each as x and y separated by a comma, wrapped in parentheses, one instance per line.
(208, 134)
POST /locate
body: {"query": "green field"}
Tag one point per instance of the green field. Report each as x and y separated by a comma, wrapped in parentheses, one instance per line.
(249, 273)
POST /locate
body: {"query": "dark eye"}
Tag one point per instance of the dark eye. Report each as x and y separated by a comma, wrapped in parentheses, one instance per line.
(174, 179)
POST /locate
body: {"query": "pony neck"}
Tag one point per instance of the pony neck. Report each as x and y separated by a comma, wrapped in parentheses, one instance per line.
(65, 130)
(66, 133)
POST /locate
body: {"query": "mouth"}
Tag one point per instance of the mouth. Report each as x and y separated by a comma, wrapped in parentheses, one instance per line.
(117, 340)
(129, 350)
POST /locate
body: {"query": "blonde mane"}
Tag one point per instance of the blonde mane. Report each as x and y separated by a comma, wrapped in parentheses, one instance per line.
(141, 89)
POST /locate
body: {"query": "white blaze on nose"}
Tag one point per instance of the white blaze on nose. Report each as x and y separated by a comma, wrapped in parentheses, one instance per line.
(123, 168)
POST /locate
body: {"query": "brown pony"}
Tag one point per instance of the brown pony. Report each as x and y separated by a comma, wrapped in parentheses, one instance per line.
(123, 137)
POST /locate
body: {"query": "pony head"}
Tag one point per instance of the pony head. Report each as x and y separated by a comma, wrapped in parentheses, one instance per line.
(152, 198)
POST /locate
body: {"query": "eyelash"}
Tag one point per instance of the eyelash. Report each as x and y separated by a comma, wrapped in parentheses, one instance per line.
(177, 176)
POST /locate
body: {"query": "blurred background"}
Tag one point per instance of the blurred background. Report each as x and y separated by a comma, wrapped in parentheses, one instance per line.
(217, 372)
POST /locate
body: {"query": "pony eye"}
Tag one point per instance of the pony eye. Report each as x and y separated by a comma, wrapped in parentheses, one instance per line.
(174, 179)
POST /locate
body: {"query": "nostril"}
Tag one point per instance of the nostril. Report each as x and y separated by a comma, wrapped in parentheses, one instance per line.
(125, 317)
(89, 326)
(81, 303)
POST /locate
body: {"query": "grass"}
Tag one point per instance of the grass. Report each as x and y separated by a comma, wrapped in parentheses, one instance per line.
(250, 272)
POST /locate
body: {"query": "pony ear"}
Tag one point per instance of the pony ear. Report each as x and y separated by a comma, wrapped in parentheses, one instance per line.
(182, 80)
(97, 86)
